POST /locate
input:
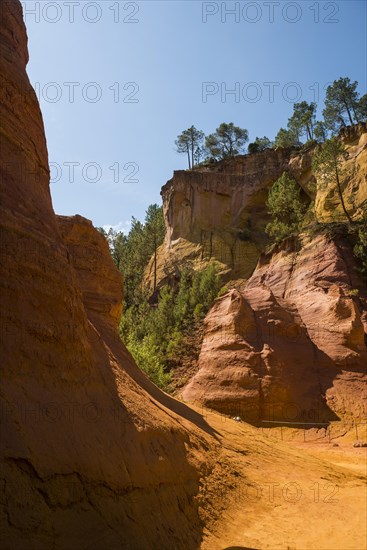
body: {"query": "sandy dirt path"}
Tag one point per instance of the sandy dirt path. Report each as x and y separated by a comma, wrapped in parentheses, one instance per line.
(289, 495)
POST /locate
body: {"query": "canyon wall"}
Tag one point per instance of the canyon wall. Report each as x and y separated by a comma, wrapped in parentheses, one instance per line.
(93, 455)
(290, 344)
(218, 212)
(289, 341)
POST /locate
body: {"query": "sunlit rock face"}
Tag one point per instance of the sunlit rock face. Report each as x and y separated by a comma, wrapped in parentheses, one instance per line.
(219, 212)
(354, 179)
(291, 344)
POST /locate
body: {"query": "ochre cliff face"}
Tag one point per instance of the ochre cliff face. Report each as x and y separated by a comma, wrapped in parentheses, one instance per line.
(219, 212)
(210, 213)
(92, 454)
(98, 277)
(291, 344)
(354, 180)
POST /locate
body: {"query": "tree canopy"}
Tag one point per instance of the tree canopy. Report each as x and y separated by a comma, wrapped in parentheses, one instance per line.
(190, 142)
(341, 104)
(285, 207)
(132, 252)
(286, 138)
(260, 144)
(302, 121)
(227, 141)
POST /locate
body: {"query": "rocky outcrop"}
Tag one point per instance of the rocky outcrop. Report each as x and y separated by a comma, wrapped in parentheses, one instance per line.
(291, 344)
(99, 279)
(92, 454)
(354, 180)
(219, 212)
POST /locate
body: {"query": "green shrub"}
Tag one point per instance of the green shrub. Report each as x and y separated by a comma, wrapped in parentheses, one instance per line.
(286, 208)
(147, 357)
(154, 332)
(222, 291)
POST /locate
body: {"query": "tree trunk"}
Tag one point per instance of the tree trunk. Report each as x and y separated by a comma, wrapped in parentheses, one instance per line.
(348, 111)
(355, 114)
(155, 268)
(188, 157)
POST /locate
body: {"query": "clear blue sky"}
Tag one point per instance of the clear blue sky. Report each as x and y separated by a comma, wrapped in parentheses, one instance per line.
(169, 52)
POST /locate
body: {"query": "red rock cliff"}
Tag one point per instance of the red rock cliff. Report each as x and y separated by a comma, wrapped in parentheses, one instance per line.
(291, 344)
(92, 454)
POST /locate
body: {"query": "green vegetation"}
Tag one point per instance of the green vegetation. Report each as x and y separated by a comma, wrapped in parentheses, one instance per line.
(303, 119)
(227, 141)
(153, 325)
(362, 108)
(154, 332)
(190, 142)
(260, 144)
(320, 131)
(286, 208)
(156, 321)
(131, 253)
(343, 105)
(286, 138)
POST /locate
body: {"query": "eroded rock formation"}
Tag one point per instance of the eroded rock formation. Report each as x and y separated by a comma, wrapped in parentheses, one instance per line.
(291, 344)
(219, 211)
(92, 454)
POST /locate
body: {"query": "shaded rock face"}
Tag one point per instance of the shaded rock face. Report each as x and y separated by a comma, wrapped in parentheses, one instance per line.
(290, 345)
(92, 454)
(219, 212)
(98, 277)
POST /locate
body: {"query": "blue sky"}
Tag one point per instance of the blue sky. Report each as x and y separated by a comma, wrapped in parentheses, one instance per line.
(138, 74)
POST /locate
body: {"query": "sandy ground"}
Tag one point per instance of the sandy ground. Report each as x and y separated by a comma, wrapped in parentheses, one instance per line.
(290, 494)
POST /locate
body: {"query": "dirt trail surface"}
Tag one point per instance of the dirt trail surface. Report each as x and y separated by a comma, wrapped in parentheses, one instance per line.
(289, 495)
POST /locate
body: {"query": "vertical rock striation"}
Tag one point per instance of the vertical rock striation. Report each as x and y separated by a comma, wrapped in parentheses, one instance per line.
(92, 454)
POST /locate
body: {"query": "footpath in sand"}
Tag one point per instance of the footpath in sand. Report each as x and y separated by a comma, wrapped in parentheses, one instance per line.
(290, 494)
